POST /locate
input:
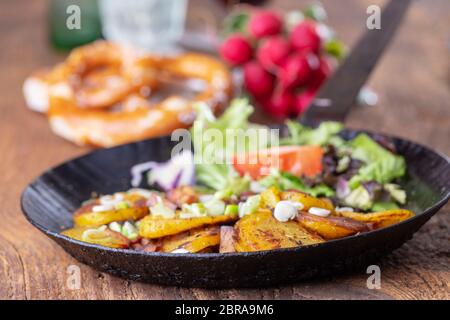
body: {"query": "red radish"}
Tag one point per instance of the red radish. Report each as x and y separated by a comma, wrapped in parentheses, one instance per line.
(298, 160)
(265, 23)
(320, 75)
(295, 72)
(257, 80)
(304, 38)
(236, 50)
(280, 104)
(302, 101)
(273, 52)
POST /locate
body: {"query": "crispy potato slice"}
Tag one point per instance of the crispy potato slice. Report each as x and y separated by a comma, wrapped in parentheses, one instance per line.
(156, 226)
(138, 209)
(227, 239)
(261, 231)
(331, 227)
(195, 240)
(380, 219)
(307, 200)
(105, 237)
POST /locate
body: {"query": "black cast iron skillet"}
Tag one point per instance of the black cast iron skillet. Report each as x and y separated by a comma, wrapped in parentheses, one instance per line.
(48, 203)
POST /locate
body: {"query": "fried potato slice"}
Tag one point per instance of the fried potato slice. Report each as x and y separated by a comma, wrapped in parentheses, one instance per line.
(331, 227)
(137, 209)
(307, 200)
(261, 231)
(101, 236)
(156, 226)
(227, 239)
(195, 240)
(270, 197)
(380, 219)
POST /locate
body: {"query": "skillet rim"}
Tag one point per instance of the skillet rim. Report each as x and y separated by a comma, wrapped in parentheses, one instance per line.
(436, 207)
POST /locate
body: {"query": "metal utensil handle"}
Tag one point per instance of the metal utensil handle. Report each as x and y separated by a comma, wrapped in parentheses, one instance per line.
(338, 94)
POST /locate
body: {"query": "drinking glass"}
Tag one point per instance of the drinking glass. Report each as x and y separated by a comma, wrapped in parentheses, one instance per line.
(154, 25)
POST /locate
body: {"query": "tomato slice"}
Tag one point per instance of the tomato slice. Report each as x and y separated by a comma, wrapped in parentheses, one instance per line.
(298, 160)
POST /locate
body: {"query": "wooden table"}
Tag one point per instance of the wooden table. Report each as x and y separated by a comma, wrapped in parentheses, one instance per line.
(413, 84)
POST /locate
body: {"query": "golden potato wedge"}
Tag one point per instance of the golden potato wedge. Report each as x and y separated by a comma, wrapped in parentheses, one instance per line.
(137, 209)
(194, 240)
(380, 219)
(101, 236)
(261, 231)
(156, 226)
(227, 239)
(307, 200)
(331, 227)
(270, 197)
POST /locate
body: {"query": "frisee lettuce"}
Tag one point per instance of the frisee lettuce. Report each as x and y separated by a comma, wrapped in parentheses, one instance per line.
(286, 181)
(359, 198)
(380, 165)
(212, 166)
(324, 134)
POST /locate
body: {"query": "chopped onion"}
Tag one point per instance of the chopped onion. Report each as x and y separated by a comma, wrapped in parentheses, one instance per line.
(342, 188)
(256, 187)
(343, 209)
(103, 208)
(206, 198)
(139, 169)
(180, 250)
(284, 211)
(319, 212)
(115, 226)
(176, 172)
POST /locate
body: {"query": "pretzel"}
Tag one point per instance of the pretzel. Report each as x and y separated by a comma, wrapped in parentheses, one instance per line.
(93, 76)
(104, 101)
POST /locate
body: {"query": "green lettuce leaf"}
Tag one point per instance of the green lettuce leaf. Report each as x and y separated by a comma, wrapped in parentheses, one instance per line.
(359, 198)
(335, 48)
(380, 165)
(396, 192)
(286, 181)
(211, 152)
(316, 12)
(383, 206)
(236, 23)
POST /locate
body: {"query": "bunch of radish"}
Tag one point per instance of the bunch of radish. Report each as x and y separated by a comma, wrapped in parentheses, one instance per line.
(284, 60)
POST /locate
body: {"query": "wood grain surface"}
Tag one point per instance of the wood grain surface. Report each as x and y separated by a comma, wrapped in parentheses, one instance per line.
(413, 83)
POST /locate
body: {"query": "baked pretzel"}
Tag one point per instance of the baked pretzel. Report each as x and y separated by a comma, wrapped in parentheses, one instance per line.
(104, 102)
(93, 76)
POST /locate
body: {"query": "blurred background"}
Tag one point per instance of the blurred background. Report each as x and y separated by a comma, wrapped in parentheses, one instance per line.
(410, 87)
(410, 84)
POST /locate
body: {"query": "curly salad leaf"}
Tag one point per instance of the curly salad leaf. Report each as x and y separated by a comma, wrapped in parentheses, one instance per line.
(287, 181)
(371, 187)
(324, 134)
(215, 140)
(366, 168)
